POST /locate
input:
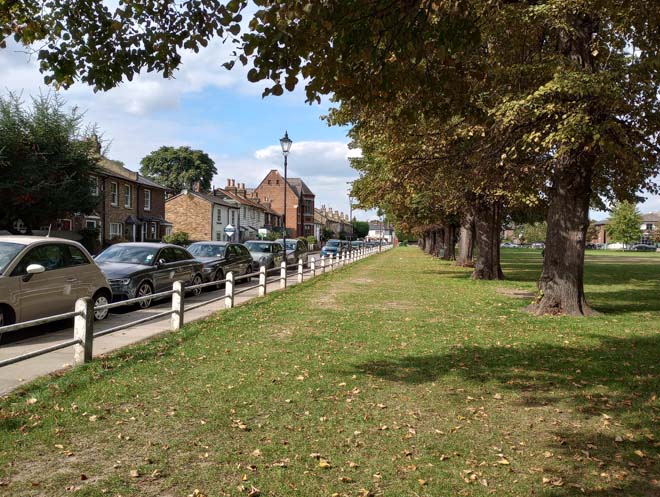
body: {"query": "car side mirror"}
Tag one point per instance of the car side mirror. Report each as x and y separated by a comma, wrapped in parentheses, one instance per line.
(161, 262)
(31, 270)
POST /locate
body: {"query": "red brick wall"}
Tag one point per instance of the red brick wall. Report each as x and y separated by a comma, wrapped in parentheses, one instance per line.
(275, 192)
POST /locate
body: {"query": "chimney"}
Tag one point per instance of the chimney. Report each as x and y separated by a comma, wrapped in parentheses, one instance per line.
(231, 186)
(241, 189)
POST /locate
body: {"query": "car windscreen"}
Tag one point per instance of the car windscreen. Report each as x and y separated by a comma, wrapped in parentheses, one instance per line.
(333, 243)
(128, 254)
(259, 247)
(8, 251)
(207, 250)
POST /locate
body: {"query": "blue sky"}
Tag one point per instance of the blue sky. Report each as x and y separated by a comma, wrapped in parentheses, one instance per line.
(209, 108)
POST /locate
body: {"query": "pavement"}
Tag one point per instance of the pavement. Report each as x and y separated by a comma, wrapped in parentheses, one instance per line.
(15, 375)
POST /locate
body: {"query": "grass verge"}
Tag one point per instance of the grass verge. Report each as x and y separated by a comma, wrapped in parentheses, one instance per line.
(398, 376)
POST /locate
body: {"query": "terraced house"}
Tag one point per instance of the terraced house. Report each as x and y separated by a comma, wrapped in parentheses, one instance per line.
(299, 202)
(130, 206)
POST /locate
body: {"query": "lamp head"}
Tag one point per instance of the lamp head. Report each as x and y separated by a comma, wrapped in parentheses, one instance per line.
(286, 143)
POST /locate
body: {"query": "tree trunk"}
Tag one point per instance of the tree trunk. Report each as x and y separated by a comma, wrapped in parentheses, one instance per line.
(562, 280)
(466, 241)
(487, 220)
(450, 243)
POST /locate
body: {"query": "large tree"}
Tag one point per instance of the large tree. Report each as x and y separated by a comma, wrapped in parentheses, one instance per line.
(564, 90)
(46, 158)
(179, 168)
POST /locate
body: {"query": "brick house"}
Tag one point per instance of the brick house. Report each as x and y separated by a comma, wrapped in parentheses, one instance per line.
(130, 207)
(299, 202)
(204, 216)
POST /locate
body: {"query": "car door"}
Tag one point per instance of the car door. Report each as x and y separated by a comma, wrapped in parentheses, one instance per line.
(233, 260)
(47, 293)
(185, 265)
(83, 270)
(246, 258)
(165, 270)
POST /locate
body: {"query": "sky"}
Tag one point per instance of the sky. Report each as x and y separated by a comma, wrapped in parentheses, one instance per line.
(209, 108)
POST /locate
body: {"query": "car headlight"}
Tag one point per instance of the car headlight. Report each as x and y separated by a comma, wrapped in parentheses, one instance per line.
(121, 281)
(208, 270)
(262, 259)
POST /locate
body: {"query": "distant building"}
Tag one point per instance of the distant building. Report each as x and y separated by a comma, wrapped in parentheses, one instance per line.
(378, 230)
(648, 228)
(299, 202)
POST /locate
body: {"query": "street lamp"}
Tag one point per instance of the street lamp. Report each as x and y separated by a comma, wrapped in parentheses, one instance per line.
(285, 142)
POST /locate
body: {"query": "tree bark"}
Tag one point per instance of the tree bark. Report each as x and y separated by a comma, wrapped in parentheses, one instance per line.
(450, 243)
(562, 280)
(466, 241)
(487, 220)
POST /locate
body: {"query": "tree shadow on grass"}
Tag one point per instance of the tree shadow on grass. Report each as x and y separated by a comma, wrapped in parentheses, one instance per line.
(617, 379)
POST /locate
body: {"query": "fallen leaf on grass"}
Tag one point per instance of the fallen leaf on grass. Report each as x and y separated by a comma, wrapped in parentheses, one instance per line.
(134, 473)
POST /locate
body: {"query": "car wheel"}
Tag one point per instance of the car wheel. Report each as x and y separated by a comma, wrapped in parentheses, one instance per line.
(100, 298)
(144, 289)
(197, 280)
(248, 270)
(6, 316)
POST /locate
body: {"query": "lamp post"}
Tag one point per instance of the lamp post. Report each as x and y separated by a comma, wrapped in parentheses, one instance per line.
(285, 142)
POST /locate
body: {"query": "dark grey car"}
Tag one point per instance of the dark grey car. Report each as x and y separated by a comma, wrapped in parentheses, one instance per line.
(265, 253)
(141, 269)
(219, 258)
(295, 249)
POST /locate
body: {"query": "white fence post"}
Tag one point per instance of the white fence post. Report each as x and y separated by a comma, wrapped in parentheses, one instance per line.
(83, 330)
(322, 264)
(262, 281)
(176, 320)
(283, 275)
(312, 267)
(300, 270)
(229, 290)
(332, 262)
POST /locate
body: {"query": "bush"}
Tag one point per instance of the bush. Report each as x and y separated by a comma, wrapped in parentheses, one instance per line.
(311, 240)
(178, 238)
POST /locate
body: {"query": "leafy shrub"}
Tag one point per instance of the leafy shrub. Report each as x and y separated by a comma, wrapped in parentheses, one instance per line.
(178, 238)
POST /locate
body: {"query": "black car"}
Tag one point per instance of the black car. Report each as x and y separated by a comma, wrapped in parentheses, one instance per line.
(219, 258)
(141, 269)
(643, 247)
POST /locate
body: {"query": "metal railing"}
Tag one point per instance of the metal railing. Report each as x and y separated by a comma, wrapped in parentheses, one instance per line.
(83, 313)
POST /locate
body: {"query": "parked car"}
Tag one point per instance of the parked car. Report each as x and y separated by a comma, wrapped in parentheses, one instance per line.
(220, 258)
(357, 245)
(265, 253)
(142, 269)
(41, 277)
(332, 247)
(643, 247)
(508, 245)
(295, 249)
(538, 245)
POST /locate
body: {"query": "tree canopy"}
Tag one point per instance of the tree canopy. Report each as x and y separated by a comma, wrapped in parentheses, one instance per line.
(179, 168)
(625, 223)
(46, 158)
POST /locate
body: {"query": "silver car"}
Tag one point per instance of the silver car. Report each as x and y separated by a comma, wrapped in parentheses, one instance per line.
(41, 277)
(265, 253)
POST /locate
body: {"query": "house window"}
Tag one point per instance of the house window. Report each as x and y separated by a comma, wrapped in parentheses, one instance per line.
(233, 217)
(95, 186)
(128, 198)
(649, 227)
(277, 181)
(218, 216)
(270, 182)
(90, 224)
(168, 230)
(153, 231)
(64, 224)
(113, 194)
(147, 200)
(218, 236)
(116, 230)
(144, 232)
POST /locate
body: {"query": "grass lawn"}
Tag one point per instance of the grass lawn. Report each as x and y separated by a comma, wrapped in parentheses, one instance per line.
(398, 376)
